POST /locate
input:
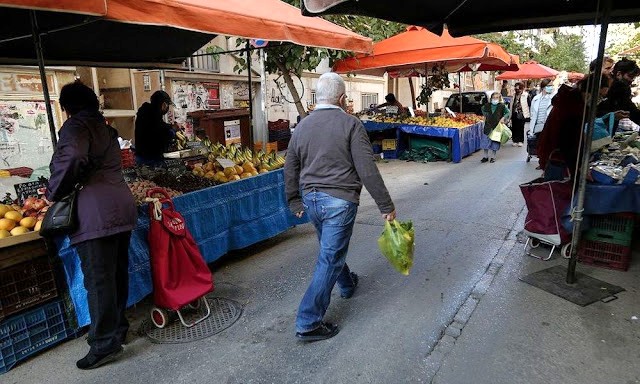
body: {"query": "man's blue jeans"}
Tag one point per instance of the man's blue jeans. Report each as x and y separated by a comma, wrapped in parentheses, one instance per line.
(333, 219)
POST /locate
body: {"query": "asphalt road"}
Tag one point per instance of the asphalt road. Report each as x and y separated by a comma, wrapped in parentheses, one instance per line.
(463, 214)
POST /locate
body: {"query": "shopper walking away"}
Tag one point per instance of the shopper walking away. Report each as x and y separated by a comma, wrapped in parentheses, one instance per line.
(494, 113)
(519, 114)
(504, 91)
(541, 107)
(328, 160)
(88, 154)
(153, 136)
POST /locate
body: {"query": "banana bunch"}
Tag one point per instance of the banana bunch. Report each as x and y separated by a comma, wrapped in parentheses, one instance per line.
(4, 173)
(260, 160)
(181, 140)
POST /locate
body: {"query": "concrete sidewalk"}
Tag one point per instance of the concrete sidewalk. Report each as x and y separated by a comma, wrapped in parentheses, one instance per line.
(517, 333)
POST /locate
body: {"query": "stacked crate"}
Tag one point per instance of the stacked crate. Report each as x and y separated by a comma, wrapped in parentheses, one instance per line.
(607, 243)
(280, 132)
(32, 318)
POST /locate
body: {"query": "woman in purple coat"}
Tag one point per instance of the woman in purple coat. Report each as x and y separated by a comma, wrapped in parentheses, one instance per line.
(88, 153)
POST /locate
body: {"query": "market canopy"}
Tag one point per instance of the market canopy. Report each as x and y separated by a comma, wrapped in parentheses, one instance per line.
(529, 70)
(122, 32)
(411, 53)
(472, 17)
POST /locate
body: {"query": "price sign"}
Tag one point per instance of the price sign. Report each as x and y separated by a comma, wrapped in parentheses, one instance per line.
(225, 163)
(32, 188)
(130, 175)
(175, 166)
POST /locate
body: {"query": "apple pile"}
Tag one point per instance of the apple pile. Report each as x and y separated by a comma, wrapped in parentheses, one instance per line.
(16, 220)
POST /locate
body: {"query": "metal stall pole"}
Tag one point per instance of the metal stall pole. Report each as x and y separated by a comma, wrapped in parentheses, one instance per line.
(586, 144)
(35, 31)
(460, 90)
(263, 89)
(250, 95)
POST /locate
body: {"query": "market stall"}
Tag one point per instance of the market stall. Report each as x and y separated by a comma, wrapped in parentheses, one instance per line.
(463, 137)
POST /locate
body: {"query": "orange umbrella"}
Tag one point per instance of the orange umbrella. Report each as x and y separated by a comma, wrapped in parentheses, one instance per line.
(407, 53)
(263, 19)
(529, 70)
(85, 7)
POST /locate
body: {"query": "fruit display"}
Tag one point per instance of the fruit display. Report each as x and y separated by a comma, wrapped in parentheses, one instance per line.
(17, 220)
(184, 183)
(248, 163)
(460, 121)
(139, 190)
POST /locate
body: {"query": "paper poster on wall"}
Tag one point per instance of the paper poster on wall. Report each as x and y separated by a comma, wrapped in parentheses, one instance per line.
(25, 140)
(23, 83)
(193, 96)
(232, 132)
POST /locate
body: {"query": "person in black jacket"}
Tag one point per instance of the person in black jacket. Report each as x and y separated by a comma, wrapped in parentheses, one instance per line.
(88, 153)
(153, 136)
(619, 95)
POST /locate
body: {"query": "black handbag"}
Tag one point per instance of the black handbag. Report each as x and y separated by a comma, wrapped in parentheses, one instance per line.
(62, 216)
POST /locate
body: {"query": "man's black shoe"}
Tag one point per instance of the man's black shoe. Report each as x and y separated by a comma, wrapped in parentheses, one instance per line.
(492, 161)
(92, 361)
(354, 277)
(484, 160)
(323, 332)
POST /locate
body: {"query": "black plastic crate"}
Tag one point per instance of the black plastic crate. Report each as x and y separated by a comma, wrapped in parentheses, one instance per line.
(26, 285)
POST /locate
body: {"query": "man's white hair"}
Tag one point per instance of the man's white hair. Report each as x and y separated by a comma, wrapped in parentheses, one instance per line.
(329, 89)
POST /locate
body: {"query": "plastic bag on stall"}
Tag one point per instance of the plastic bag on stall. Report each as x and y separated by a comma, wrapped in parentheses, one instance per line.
(396, 244)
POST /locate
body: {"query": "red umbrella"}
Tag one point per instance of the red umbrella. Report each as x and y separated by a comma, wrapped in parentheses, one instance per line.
(529, 70)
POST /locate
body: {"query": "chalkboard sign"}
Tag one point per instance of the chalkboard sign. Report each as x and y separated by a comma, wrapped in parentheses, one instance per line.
(31, 188)
(175, 166)
(130, 175)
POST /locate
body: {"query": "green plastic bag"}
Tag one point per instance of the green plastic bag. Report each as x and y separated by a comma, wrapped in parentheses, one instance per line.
(396, 244)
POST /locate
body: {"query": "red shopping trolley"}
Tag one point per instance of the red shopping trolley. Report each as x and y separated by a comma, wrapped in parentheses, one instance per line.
(181, 278)
(547, 201)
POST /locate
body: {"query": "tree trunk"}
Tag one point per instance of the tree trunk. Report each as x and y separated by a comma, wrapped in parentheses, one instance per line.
(413, 93)
(292, 88)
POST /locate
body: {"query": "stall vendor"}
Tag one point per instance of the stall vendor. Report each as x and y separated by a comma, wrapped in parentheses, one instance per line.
(153, 136)
(391, 101)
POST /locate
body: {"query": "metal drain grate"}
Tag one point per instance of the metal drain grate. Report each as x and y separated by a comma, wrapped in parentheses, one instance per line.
(224, 312)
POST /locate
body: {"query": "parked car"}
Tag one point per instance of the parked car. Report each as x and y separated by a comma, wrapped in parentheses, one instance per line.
(472, 101)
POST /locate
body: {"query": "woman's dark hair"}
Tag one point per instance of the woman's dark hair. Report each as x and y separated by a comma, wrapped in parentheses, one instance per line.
(76, 97)
(585, 83)
(626, 66)
(519, 84)
(390, 98)
(544, 83)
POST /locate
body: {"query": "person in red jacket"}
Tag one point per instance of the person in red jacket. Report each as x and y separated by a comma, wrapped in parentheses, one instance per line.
(566, 120)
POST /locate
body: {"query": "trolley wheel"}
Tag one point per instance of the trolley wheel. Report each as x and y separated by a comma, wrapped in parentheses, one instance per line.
(528, 159)
(565, 251)
(159, 317)
(195, 304)
(534, 243)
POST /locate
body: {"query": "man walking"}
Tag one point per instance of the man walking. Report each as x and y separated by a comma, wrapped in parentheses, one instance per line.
(328, 160)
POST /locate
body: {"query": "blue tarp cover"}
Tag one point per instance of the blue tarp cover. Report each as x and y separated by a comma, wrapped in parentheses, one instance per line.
(464, 141)
(222, 218)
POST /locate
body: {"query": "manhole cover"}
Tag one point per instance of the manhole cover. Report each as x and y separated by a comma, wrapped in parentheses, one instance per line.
(224, 312)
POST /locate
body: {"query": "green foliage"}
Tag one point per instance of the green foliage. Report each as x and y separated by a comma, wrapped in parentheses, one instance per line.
(438, 79)
(623, 37)
(214, 50)
(567, 55)
(566, 51)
